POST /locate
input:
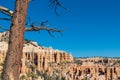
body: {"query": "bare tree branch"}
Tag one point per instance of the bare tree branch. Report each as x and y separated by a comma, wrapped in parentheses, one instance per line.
(4, 28)
(38, 28)
(42, 26)
(50, 34)
(55, 4)
(42, 23)
(5, 19)
(6, 11)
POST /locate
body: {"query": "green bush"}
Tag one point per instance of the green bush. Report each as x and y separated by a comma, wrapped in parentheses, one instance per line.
(0, 76)
(32, 75)
(23, 77)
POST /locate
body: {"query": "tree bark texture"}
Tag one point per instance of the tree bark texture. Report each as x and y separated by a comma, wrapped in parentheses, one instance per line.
(12, 64)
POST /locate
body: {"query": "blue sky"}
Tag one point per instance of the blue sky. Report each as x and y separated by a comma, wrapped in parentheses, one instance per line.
(91, 29)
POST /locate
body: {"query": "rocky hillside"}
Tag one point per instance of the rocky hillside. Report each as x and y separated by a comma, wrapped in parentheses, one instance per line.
(34, 55)
(40, 63)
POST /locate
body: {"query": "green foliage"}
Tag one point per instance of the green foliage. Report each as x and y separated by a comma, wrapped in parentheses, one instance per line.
(58, 78)
(63, 78)
(0, 76)
(38, 73)
(78, 62)
(86, 78)
(1, 64)
(46, 77)
(32, 75)
(23, 77)
(32, 66)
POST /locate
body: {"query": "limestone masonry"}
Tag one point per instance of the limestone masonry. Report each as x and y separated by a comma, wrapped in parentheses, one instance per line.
(54, 64)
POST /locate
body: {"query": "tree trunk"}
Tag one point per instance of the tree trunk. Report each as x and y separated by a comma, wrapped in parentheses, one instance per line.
(12, 66)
